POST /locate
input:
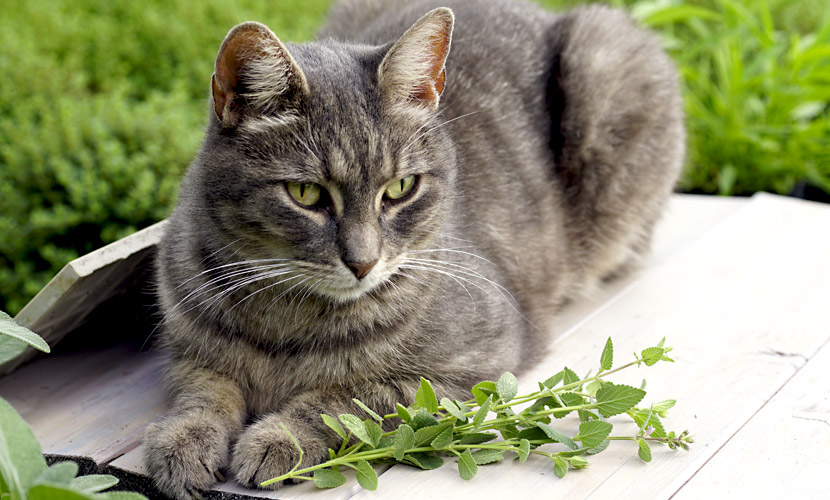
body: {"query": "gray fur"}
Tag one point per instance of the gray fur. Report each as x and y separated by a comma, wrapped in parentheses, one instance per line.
(550, 156)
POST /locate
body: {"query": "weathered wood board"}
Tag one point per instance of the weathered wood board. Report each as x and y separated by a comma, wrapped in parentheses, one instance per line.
(740, 287)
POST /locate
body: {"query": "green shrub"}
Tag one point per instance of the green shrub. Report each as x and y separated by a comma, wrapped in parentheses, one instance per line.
(103, 102)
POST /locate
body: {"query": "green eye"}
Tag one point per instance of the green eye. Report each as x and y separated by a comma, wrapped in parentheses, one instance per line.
(400, 188)
(306, 193)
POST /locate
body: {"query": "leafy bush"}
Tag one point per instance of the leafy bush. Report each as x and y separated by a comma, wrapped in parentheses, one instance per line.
(103, 102)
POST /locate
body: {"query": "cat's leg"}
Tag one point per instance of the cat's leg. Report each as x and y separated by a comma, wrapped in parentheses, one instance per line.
(185, 451)
(265, 451)
(618, 136)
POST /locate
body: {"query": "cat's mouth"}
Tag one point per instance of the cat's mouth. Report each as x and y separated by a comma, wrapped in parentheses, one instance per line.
(344, 287)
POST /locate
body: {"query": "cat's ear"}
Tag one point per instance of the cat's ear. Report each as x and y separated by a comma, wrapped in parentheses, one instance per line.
(412, 72)
(254, 73)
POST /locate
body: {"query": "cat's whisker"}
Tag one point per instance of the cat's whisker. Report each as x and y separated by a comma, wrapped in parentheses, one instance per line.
(214, 283)
(268, 287)
(453, 277)
(232, 264)
(447, 122)
(455, 250)
(210, 301)
(467, 272)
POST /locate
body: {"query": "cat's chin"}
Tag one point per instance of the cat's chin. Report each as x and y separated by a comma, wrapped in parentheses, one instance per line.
(345, 295)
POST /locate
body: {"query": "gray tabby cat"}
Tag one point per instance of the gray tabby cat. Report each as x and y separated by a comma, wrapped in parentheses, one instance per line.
(377, 206)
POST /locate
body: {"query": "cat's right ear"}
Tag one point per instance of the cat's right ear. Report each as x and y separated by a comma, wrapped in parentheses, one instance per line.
(254, 73)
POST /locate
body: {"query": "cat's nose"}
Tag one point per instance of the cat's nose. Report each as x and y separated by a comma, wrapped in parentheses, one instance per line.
(361, 269)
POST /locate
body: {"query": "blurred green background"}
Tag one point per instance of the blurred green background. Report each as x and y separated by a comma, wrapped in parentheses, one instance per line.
(103, 104)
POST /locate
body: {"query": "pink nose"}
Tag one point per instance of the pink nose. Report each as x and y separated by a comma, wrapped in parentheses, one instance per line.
(361, 269)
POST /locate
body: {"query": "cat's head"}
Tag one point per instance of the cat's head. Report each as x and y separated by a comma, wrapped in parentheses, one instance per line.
(329, 155)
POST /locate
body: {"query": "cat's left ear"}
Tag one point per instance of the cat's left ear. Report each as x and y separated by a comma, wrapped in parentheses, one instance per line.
(254, 73)
(412, 73)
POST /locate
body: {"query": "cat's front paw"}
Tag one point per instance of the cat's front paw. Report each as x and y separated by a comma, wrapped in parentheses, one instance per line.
(265, 451)
(183, 455)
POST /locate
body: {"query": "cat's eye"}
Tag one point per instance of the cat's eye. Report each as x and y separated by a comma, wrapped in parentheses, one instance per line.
(400, 188)
(305, 193)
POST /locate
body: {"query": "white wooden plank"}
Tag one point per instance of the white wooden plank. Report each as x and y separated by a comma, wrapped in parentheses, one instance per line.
(782, 451)
(756, 284)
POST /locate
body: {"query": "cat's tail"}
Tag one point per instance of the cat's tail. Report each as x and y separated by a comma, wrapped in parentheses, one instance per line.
(618, 135)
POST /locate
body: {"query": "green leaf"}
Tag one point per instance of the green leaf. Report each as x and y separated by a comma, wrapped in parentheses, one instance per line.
(606, 360)
(467, 467)
(357, 427)
(614, 399)
(523, 450)
(403, 413)
(424, 460)
(652, 355)
(366, 475)
(598, 449)
(94, 483)
(10, 348)
(334, 425)
(427, 434)
(21, 460)
(554, 380)
(55, 491)
(568, 399)
(453, 410)
(644, 451)
(9, 327)
(404, 440)
(645, 418)
(570, 376)
(374, 431)
(477, 437)
(482, 390)
(578, 462)
(385, 442)
(663, 406)
(507, 386)
(367, 410)
(422, 419)
(119, 495)
(594, 432)
(560, 467)
(487, 456)
(327, 478)
(481, 414)
(61, 473)
(443, 439)
(557, 436)
(425, 397)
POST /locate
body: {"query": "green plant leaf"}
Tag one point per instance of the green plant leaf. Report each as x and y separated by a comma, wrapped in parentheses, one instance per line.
(21, 460)
(557, 436)
(11, 348)
(374, 430)
(594, 432)
(598, 449)
(644, 451)
(482, 390)
(614, 399)
(327, 478)
(403, 413)
(404, 440)
(481, 414)
(366, 475)
(61, 473)
(424, 460)
(443, 439)
(120, 495)
(554, 380)
(357, 427)
(467, 467)
(578, 462)
(94, 483)
(606, 360)
(570, 376)
(560, 467)
(427, 434)
(56, 491)
(425, 397)
(523, 450)
(477, 437)
(422, 419)
(334, 425)
(9, 327)
(487, 456)
(453, 410)
(367, 410)
(652, 355)
(568, 399)
(507, 386)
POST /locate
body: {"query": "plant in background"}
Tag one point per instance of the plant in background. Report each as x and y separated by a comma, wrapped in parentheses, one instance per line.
(497, 423)
(24, 474)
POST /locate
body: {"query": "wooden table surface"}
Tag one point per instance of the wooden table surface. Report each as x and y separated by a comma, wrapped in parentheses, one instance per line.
(739, 287)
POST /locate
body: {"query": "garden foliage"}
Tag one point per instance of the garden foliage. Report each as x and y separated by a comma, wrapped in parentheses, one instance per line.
(103, 103)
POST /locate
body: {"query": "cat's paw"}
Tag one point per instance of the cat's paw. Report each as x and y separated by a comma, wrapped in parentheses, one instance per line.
(265, 451)
(184, 455)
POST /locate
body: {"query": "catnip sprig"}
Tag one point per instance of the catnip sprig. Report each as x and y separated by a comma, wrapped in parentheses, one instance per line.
(498, 422)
